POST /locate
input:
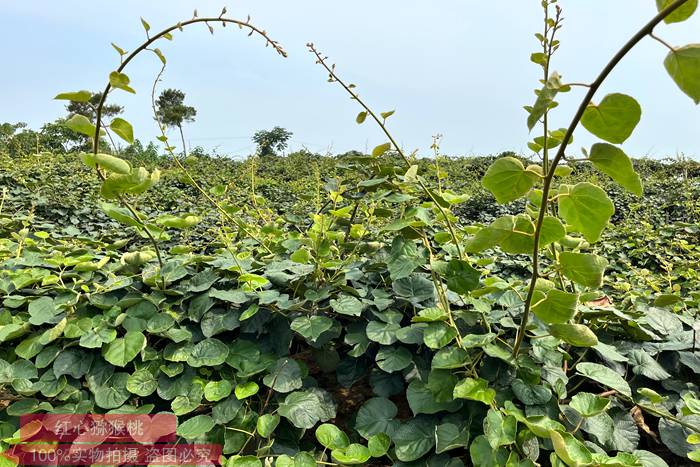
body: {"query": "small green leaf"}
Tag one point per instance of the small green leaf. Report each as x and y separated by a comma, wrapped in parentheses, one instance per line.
(614, 119)
(123, 129)
(42, 310)
(474, 389)
(508, 179)
(195, 426)
(78, 96)
(612, 161)
(381, 149)
(683, 65)
(577, 335)
(589, 405)
(142, 383)
(244, 461)
(604, 376)
(217, 390)
(246, 390)
(570, 450)
(146, 26)
(119, 50)
(120, 81)
(112, 163)
(122, 350)
(583, 268)
(347, 305)
(81, 124)
(353, 454)
(361, 117)
(545, 100)
(586, 207)
(499, 430)
(378, 444)
(557, 307)
(208, 352)
(681, 14)
(461, 276)
(267, 424)
(331, 437)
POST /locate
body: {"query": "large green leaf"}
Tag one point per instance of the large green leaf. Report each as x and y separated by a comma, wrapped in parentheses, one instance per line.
(415, 288)
(415, 438)
(614, 119)
(209, 352)
(586, 208)
(557, 307)
(508, 179)
(347, 305)
(142, 383)
(311, 327)
(377, 415)
(77, 96)
(681, 14)
(80, 124)
(516, 234)
(306, 408)
(121, 351)
(683, 65)
(605, 376)
(583, 268)
(121, 81)
(461, 276)
(42, 310)
(613, 161)
(123, 129)
(483, 455)
(195, 426)
(645, 365)
(331, 437)
(217, 390)
(573, 452)
(475, 389)
(577, 335)
(285, 376)
(589, 405)
(352, 455)
(113, 392)
(499, 430)
(392, 359)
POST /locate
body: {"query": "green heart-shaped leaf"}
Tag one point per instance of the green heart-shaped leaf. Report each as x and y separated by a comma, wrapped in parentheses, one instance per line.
(556, 307)
(683, 65)
(586, 207)
(614, 119)
(612, 161)
(583, 268)
(681, 14)
(508, 179)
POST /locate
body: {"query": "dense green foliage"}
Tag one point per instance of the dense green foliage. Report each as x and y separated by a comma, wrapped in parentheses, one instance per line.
(365, 309)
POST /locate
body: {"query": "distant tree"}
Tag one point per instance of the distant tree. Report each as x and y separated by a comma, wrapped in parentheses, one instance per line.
(172, 111)
(138, 152)
(58, 138)
(87, 109)
(271, 141)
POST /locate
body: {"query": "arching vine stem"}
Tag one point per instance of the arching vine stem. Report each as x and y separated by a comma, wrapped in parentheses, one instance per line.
(645, 31)
(321, 60)
(145, 46)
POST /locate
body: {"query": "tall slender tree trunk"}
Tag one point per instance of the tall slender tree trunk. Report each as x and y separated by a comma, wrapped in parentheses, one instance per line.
(182, 136)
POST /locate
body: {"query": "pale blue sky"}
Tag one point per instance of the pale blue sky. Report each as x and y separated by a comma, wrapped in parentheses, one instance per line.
(456, 67)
